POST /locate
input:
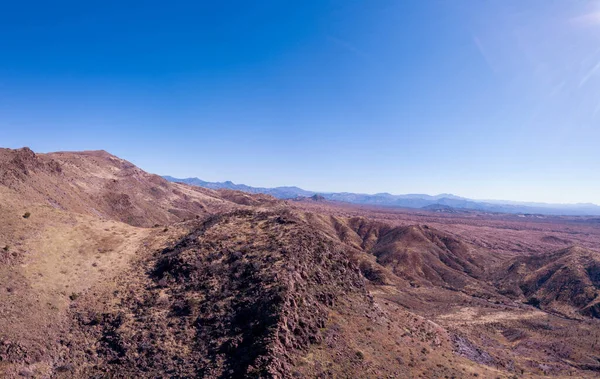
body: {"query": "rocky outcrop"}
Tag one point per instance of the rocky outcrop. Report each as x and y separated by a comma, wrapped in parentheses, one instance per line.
(17, 165)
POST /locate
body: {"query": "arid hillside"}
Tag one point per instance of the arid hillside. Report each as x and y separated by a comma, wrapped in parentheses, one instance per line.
(566, 281)
(99, 184)
(109, 271)
(254, 294)
(70, 222)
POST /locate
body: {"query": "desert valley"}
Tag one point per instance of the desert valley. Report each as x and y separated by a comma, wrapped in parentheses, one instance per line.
(109, 271)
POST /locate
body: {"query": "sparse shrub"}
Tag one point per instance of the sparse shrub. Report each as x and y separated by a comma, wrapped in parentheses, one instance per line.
(360, 354)
(73, 296)
(165, 230)
(65, 368)
(26, 215)
(372, 274)
(193, 303)
(533, 301)
(6, 248)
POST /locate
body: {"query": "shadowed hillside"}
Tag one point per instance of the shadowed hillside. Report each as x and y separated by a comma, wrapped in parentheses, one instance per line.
(567, 281)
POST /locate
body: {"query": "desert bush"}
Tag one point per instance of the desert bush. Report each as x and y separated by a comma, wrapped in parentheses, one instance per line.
(6, 248)
(26, 215)
(533, 301)
(371, 273)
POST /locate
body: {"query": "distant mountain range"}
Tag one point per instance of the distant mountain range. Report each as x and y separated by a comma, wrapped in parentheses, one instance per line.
(441, 203)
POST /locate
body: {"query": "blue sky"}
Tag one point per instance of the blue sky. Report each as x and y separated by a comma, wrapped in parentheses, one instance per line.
(484, 99)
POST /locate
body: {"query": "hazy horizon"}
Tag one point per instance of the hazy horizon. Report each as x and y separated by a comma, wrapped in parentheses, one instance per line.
(484, 100)
(385, 192)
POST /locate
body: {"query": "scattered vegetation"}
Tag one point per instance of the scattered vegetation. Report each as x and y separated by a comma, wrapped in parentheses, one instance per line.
(27, 215)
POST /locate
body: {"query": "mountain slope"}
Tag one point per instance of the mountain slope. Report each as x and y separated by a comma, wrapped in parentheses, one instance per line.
(248, 290)
(420, 254)
(100, 184)
(250, 294)
(567, 281)
(70, 222)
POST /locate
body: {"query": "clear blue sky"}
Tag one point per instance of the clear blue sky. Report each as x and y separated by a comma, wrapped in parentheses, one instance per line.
(485, 99)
